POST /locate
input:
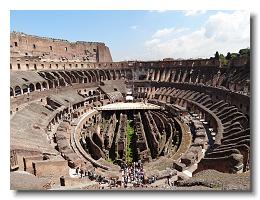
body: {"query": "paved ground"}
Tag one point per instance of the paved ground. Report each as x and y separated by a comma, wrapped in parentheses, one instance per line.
(129, 106)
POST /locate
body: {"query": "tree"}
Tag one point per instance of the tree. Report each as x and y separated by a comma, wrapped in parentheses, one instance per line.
(223, 60)
(244, 52)
(228, 57)
(217, 55)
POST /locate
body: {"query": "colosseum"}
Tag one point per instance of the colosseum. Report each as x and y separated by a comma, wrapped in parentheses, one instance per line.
(81, 121)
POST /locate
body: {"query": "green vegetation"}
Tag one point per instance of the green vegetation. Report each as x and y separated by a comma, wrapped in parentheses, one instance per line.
(217, 55)
(130, 141)
(223, 60)
(244, 52)
(226, 60)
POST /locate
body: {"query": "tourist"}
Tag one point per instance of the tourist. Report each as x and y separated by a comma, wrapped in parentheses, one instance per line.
(81, 173)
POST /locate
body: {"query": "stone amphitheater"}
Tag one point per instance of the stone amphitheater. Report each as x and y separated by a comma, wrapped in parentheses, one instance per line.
(78, 119)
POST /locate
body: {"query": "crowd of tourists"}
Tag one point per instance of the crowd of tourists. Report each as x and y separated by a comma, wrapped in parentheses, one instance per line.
(91, 175)
(133, 174)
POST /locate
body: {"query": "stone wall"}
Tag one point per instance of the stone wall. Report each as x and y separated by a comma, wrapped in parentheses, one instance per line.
(50, 168)
(55, 49)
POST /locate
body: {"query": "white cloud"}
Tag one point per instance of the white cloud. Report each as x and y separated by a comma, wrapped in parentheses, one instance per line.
(158, 11)
(152, 42)
(222, 32)
(167, 31)
(233, 27)
(134, 27)
(193, 12)
(163, 32)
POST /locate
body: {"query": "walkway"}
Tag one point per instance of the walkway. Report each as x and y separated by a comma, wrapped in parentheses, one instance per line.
(129, 106)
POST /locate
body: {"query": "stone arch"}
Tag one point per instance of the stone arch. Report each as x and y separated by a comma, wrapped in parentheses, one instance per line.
(93, 76)
(82, 78)
(88, 76)
(11, 92)
(129, 74)
(108, 75)
(50, 83)
(113, 74)
(79, 77)
(85, 79)
(76, 75)
(25, 88)
(103, 75)
(62, 82)
(65, 77)
(38, 86)
(55, 83)
(73, 78)
(97, 75)
(18, 90)
(32, 87)
(44, 85)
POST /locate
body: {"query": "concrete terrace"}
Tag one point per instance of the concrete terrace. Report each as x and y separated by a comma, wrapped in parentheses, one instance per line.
(129, 106)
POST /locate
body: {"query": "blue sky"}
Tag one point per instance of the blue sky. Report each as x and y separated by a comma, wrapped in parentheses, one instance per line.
(146, 35)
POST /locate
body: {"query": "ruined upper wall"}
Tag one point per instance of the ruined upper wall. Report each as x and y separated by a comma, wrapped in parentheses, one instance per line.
(56, 49)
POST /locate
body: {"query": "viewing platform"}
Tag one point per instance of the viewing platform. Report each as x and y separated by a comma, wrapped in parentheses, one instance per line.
(129, 106)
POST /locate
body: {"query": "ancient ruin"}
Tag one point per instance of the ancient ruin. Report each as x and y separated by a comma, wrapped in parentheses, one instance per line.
(81, 121)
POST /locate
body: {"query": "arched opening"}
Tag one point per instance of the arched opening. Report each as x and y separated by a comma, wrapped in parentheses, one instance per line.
(50, 84)
(108, 75)
(88, 76)
(17, 90)
(44, 86)
(102, 75)
(89, 93)
(114, 75)
(56, 83)
(93, 76)
(62, 82)
(11, 92)
(25, 88)
(38, 86)
(31, 87)
(73, 78)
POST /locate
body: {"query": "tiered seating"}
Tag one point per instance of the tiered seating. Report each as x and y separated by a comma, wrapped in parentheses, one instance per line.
(112, 93)
(63, 145)
(224, 115)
